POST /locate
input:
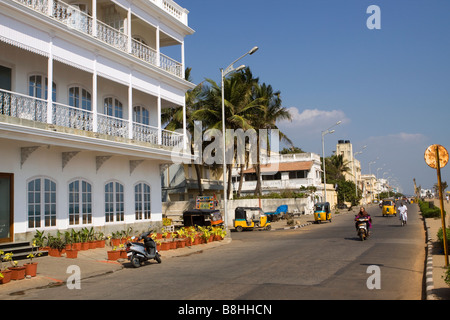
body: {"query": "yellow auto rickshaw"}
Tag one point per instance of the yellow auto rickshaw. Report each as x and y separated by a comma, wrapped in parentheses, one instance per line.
(249, 218)
(322, 212)
(389, 208)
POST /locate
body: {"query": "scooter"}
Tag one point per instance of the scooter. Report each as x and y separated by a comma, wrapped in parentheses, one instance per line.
(139, 252)
(361, 228)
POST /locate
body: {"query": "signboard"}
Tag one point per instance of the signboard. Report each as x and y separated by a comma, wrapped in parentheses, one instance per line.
(206, 202)
(430, 156)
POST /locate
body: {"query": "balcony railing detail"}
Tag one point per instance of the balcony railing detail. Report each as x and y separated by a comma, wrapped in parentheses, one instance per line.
(30, 108)
(81, 21)
(22, 106)
(71, 117)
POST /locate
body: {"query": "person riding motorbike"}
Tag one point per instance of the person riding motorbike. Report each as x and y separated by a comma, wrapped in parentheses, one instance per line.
(363, 214)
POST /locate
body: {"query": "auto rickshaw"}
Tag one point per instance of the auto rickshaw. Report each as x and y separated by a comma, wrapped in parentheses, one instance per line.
(249, 218)
(322, 212)
(389, 208)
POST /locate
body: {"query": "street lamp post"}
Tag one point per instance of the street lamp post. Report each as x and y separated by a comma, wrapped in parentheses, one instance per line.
(224, 73)
(324, 133)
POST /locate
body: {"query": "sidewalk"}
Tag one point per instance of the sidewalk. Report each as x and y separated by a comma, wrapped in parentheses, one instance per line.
(52, 271)
(436, 288)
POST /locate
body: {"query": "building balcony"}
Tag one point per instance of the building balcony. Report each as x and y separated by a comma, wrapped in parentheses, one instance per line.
(80, 21)
(25, 107)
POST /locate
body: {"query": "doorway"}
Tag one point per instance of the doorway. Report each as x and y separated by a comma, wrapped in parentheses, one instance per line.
(6, 207)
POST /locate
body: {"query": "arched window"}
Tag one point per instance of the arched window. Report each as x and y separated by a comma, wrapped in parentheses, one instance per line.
(141, 115)
(80, 98)
(41, 203)
(114, 202)
(113, 107)
(142, 201)
(80, 202)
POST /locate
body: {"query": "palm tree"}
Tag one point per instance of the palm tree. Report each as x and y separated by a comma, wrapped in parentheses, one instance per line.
(173, 118)
(337, 167)
(271, 112)
(240, 106)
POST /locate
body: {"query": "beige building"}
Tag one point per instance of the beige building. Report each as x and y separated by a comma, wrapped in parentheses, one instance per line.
(345, 148)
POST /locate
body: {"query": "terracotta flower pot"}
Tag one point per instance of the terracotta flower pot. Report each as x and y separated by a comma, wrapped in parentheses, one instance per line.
(76, 246)
(100, 243)
(17, 273)
(173, 245)
(52, 252)
(6, 276)
(113, 255)
(181, 243)
(115, 242)
(92, 245)
(71, 253)
(123, 254)
(31, 269)
(85, 246)
(165, 246)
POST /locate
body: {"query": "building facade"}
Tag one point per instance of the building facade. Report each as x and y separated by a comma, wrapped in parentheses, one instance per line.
(82, 88)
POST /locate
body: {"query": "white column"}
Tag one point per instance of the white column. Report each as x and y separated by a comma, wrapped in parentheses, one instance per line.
(158, 55)
(50, 8)
(94, 96)
(130, 107)
(129, 29)
(159, 116)
(94, 18)
(50, 82)
(182, 60)
(184, 126)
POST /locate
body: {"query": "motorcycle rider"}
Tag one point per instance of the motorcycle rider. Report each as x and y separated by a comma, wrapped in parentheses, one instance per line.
(363, 214)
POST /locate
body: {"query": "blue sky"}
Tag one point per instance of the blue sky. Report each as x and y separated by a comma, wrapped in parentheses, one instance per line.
(389, 87)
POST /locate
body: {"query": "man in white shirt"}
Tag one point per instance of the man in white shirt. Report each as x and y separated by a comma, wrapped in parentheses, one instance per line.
(403, 210)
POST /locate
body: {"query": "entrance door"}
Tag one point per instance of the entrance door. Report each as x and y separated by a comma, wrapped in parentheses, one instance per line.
(6, 207)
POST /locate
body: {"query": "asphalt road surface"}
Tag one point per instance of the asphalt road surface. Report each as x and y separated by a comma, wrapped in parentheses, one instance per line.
(319, 261)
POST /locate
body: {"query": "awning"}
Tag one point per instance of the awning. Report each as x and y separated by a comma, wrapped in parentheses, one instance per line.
(283, 166)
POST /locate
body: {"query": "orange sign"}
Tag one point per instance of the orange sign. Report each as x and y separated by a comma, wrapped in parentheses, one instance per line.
(431, 159)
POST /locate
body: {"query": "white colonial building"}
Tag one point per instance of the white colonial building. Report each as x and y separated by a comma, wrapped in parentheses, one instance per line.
(82, 87)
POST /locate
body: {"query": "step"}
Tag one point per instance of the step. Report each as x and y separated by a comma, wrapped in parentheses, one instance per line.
(20, 249)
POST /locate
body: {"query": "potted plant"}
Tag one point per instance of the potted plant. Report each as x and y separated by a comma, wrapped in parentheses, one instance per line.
(113, 254)
(71, 250)
(122, 251)
(5, 273)
(75, 239)
(31, 267)
(39, 239)
(56, 245)
(100, 240)
(84, 238)
(17, 272)
(115, 239)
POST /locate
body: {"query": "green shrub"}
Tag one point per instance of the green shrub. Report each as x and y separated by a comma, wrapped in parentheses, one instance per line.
(429, 211)
(440, 236)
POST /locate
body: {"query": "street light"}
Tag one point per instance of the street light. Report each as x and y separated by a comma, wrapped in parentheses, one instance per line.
(224, 73)
(324, 133)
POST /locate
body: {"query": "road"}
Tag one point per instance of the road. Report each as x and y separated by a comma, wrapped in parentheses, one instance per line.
(325, 261)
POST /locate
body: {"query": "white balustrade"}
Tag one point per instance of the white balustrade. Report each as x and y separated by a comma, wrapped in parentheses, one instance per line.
(145, 133)
(71, 117)
(112, 126)
(22, 106)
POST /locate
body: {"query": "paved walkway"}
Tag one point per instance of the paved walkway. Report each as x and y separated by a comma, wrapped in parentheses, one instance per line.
(436, 289)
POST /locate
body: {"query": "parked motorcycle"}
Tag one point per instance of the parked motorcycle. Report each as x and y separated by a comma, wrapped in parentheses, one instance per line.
(139, 252)
(362, 228)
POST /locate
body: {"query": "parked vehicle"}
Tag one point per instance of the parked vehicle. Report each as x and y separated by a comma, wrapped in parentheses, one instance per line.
(202, 217)
(278, 214)
(139, 252)
(249, 218)
(362, 228)
(322, 212)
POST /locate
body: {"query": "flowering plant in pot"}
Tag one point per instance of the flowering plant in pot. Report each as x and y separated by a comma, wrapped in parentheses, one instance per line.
(100, 239)
(17, 272)
(113, 254)
(5, 273)
(31, 267)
